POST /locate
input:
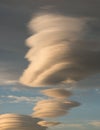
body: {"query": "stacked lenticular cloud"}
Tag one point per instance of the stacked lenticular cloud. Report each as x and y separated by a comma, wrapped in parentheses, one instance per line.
(53, 51)
(19, 122)
(60, 53)
(53, 108)
(57, 105)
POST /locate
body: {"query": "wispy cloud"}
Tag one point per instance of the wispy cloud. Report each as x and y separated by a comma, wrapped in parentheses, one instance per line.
(95, 123)
(63, 125)
(18, 99)
(8, 82)
(48, 123)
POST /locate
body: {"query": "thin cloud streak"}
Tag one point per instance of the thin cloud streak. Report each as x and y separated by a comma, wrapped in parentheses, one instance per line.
(8, 82)
(80, 126)
(48, 123)
(95, 123)
(18, 99)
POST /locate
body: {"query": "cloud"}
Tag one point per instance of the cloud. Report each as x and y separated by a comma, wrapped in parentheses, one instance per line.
(48, 124)
(95, 123)
(5, 78)
(19, 122)
(57, 93)
(8, 82)
(71, 126)
(53, 108)
(18, 99)
(59, 51)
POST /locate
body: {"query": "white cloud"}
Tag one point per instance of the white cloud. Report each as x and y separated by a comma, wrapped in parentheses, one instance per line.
(18, 99)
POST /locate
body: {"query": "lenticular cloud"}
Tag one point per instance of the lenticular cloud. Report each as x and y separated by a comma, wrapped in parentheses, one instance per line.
(19, 122)
(59, 52)
(58, 93)
(53, 108)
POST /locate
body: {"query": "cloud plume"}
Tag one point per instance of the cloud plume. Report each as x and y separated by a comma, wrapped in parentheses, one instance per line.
(59, 52)
(53, 108)
(19, 122)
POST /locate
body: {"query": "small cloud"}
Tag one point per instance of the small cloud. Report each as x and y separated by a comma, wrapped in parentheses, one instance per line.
(18, 99)
(57, 93)
(48, 124)
(8, 82)
(71, 125)
(95, 123)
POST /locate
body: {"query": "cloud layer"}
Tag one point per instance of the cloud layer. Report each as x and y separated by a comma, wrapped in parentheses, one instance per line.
(57, 93)
(53, 108)
(19, 122)
(59, 51)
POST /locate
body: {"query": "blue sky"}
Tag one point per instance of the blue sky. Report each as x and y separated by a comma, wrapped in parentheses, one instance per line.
(16, 98)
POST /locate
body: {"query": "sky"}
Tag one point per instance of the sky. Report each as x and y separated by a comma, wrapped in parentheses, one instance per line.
(18, 97)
